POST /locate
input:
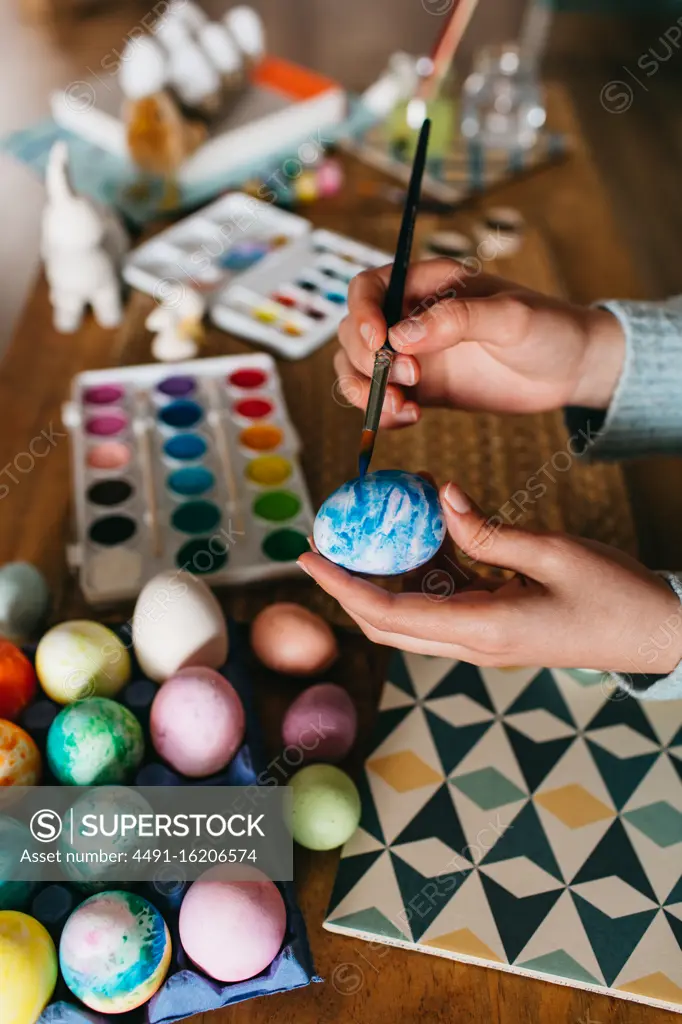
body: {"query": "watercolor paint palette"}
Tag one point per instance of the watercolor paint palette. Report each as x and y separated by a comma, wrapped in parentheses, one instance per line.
(266, 274)
(194, 467)
(295, 302)
(206, 250)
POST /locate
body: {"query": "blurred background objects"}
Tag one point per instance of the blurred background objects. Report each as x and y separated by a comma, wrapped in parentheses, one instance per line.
(611, 54)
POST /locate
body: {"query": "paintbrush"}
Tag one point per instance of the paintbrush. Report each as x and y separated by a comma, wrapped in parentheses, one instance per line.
(441, 59)
(393, 303)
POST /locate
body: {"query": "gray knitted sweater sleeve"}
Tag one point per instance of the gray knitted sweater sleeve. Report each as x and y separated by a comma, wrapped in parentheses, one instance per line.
(644, 418)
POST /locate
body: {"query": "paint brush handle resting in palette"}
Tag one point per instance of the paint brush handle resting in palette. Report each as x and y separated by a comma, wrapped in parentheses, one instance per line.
(523, 353)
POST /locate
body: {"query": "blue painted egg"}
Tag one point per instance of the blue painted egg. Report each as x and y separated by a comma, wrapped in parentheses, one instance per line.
(114, 951)
(384, 524)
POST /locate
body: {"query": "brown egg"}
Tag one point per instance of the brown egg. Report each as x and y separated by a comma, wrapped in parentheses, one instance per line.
(291, 639)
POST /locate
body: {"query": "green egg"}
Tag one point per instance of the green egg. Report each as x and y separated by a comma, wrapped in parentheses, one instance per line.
(15, 888)
(326, 807)
(95, 742)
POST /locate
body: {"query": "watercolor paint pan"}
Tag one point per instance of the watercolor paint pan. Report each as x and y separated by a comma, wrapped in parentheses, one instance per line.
(293, 304)
(193, 467)
(209, 248)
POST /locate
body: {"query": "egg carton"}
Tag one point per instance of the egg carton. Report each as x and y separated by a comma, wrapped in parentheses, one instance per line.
(187, 990)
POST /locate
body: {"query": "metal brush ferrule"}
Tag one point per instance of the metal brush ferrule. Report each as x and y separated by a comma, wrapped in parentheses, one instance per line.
(383, 361)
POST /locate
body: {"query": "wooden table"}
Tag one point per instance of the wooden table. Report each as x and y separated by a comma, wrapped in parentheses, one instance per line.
(573, 247)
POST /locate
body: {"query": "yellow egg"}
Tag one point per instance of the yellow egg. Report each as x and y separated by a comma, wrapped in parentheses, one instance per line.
(80, 659)
(178, 623)
(28, 968)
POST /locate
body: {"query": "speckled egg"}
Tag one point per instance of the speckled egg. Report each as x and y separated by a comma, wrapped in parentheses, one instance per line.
(15, 889)
(24, 598)
(321, 723)
(28, 968)
(291, 639)
(232, 930)
(80, 659)
(326, 807)
(384, 524)
(18, 683)
(114, 951)
(94, 742)
(197, 722)
(178, 622)
(20, 763)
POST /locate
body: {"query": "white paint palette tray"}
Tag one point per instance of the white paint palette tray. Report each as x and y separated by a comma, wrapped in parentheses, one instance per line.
(266, 274)
(194, 467)
(295, 301)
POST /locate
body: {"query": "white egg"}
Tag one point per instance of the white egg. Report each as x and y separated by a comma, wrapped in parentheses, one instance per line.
(246, 27)
(143, 68)
(178, 623)
(220, 48)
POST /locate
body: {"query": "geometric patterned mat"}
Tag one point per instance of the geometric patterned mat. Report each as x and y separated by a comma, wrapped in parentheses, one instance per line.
(525, 819)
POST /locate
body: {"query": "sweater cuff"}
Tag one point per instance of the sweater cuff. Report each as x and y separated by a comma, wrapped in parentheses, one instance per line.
(658, 687)
(645, 414)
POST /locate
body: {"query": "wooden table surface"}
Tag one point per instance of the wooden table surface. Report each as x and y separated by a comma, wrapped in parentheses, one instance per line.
(583, 257)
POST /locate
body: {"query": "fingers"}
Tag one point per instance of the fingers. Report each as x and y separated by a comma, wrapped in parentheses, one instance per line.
(428, 282)
(414, 645)
(443, 575)
(366, 294)
(502, 319)
(353, 387)
(543, 558)
(405, 369)
(476, 624)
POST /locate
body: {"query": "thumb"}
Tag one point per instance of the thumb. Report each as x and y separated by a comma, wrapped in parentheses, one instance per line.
(499, 319)
(489, 540)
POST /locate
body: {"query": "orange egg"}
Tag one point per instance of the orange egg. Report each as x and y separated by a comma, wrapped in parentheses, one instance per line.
(291, 639)
(18, 682)
(20, 763)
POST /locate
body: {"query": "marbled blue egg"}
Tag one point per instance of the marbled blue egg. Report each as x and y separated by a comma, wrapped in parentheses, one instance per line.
(384, 524)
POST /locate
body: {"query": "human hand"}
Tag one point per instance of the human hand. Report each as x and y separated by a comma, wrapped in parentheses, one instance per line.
(476, 342)
(572, 603)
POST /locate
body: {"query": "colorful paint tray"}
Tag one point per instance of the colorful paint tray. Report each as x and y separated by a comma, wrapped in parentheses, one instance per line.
(186, 990)
(195, 467)
(266, 274)
(294, 302)
(525, 820)
(206, 250)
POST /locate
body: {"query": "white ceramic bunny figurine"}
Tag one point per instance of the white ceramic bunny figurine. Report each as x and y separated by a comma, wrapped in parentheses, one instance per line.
(179, 328)
(82, 245)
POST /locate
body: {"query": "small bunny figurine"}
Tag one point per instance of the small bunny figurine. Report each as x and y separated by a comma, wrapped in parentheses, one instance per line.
(82, 245)
(179, 327)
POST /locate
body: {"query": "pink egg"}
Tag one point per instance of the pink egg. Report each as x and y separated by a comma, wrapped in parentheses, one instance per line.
(232, 930)
(321, 723)
(197, 722)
